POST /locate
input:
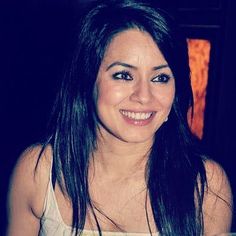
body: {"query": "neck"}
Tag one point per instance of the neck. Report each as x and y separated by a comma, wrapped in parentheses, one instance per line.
(118, 159)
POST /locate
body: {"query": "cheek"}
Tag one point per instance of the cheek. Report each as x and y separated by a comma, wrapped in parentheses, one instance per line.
(110, 94)
(170, 99)
(166, 97)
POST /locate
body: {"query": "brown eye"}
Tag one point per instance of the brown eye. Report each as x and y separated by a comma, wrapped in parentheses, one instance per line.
(123, 75)
(161, 78)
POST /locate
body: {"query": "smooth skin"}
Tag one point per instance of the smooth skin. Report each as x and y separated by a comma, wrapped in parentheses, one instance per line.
(134, 81)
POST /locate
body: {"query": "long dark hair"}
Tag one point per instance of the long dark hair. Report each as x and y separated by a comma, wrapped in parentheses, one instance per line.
(175, 173)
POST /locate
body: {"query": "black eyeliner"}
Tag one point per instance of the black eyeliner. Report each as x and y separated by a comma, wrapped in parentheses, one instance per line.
(123, 72)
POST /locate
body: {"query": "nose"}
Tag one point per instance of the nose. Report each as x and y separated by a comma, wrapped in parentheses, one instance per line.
(141, 92)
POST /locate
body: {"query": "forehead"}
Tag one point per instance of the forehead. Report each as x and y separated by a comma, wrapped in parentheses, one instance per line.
(133, 45)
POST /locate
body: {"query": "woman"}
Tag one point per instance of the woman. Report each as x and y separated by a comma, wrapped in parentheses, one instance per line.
(120, 158)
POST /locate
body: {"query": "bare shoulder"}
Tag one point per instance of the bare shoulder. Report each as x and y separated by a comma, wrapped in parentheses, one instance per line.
(218, 201)
(27, 189)
(31, 173)
(218, 183)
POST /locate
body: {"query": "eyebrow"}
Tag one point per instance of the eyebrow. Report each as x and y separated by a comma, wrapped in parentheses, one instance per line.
(160, 67)
(118, 63)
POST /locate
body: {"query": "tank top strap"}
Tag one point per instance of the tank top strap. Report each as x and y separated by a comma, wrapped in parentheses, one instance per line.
(48, 196)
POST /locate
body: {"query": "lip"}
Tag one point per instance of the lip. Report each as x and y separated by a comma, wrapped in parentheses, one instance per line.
(137, 118)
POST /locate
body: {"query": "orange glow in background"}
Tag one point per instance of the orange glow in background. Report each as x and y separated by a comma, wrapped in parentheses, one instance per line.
(199, 55)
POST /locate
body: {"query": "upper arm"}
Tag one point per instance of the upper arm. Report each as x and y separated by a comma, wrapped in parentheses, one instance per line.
(218, 202)
(26, 194)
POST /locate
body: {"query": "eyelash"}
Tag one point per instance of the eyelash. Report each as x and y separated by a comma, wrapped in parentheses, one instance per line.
(162, 78)
(126, 76)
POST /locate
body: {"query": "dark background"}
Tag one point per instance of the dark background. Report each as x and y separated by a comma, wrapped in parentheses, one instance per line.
(36, 38)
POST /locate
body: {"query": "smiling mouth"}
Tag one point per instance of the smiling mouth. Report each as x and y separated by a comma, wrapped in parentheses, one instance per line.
(137, 115)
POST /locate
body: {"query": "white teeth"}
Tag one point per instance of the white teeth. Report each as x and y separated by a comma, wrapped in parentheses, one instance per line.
(137, 115)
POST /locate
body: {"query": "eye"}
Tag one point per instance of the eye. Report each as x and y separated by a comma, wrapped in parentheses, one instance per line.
(122, 75)
(161, 78)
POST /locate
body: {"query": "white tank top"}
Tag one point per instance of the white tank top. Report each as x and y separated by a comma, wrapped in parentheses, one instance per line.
(53, 224)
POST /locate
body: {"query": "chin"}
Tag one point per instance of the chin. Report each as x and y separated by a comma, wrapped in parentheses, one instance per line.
(136, 138)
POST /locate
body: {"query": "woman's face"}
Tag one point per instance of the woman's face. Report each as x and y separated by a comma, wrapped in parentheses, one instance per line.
(135, 88)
